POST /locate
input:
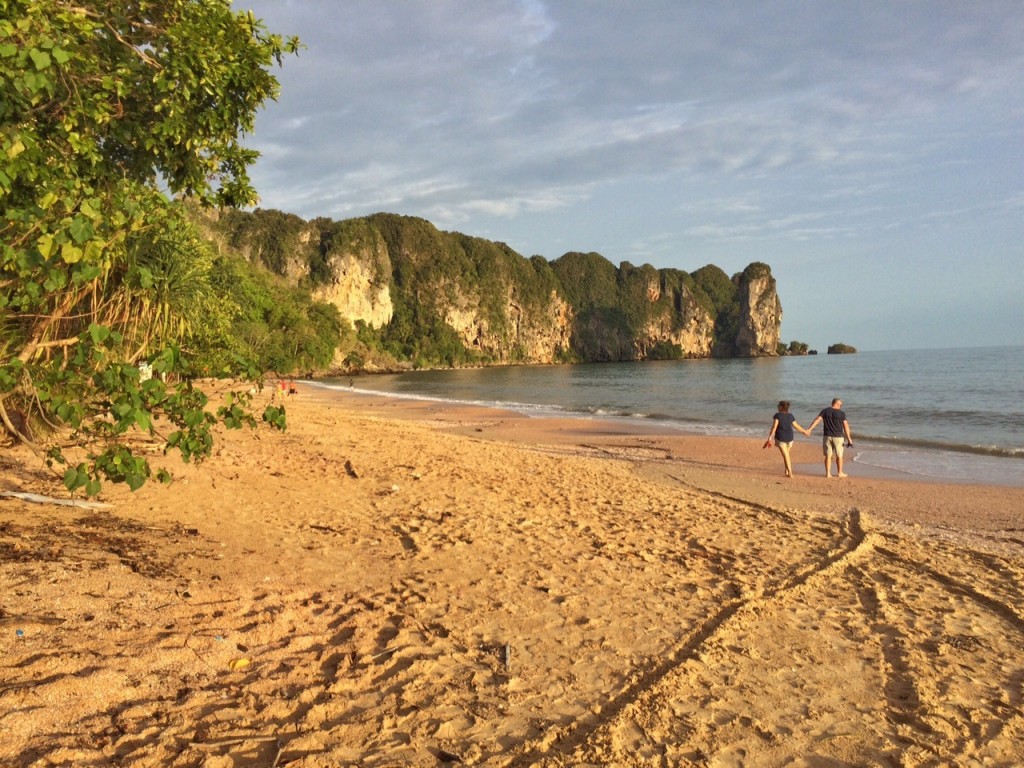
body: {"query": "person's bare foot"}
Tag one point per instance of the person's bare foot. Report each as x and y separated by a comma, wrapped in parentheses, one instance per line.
(842, 474)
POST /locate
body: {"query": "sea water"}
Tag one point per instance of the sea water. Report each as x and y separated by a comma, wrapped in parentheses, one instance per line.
(949, 414)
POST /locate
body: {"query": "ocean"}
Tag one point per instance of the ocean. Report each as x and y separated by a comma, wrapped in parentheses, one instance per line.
(945, 414)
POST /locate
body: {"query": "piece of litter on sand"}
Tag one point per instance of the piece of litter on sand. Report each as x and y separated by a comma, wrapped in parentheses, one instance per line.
(36, 498)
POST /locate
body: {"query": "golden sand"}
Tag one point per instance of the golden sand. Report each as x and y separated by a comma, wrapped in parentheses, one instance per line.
(391, 583)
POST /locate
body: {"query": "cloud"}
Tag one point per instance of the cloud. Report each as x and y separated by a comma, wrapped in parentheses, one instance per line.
(525, 98)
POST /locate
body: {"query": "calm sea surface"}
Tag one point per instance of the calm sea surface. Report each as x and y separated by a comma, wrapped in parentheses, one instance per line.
(952, 414)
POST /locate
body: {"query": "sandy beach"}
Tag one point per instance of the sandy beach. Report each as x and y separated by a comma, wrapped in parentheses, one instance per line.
(391, 583)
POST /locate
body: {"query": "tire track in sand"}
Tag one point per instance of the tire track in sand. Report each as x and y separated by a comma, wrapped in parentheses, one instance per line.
(914, 699)
(852, 543)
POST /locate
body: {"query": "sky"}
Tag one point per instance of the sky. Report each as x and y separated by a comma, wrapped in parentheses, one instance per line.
(872, 153)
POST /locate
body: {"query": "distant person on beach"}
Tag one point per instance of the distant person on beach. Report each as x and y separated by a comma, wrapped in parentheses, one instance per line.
(783, 424)
(837, 434)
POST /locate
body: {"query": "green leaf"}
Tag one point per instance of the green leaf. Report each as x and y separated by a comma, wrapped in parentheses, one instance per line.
(45, 245)
(76, 477)
(98, 333)
(70, 253)
(80, 229)
(275, 416)
(40, 58)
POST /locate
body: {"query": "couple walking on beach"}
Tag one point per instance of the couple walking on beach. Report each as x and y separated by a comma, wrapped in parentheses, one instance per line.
(836, 435)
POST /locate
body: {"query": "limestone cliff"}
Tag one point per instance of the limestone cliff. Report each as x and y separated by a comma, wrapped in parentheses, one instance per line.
(691, 332)
(357, 292)
(355, 274)
(760, 313)
(443, 298)
(537, 334)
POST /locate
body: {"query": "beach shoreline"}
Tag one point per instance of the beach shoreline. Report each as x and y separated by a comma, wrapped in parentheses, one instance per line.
(409, 582)
(725, 463)
(876, 457)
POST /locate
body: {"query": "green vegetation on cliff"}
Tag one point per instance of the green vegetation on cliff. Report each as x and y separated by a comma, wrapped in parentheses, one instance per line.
(722, 294)
(276, 326)
(458, 300)
(437, 273)
(615, 306)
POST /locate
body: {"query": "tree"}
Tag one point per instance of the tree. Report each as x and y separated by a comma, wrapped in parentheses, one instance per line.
(106, 108)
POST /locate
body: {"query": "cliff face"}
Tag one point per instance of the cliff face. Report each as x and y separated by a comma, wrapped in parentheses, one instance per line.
(435, 297)
(529, 334)
(356, 291)
(760, 313)
(692, 333)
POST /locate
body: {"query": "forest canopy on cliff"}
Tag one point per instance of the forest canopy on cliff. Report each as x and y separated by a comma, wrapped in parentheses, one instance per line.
(430, 274)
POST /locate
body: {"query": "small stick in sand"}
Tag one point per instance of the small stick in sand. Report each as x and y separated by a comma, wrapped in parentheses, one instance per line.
(232, 742)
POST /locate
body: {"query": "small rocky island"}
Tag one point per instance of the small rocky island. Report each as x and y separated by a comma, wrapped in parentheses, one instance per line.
(841, 349)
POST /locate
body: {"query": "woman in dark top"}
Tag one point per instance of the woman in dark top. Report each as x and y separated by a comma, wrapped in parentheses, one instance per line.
(783, 424)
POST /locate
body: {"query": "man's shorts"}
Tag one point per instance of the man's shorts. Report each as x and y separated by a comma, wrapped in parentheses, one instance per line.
(833, 446)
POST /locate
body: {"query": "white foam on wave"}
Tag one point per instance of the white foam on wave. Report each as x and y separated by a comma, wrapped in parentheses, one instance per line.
(945, 466)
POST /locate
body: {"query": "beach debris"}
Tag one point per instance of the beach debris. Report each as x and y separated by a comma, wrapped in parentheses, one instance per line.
(237, 664)
(277, 757)
(36, 498)
(506, 655)
(350, 470)
(447, 757)
(231, 741)
(962, 642)
(324, 529)
(19, 633)
(28, 619)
